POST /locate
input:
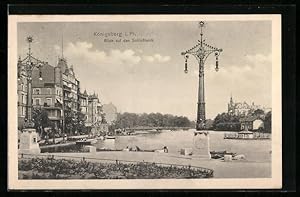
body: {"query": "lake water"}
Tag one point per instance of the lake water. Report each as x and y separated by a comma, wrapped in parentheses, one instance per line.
(254, 150)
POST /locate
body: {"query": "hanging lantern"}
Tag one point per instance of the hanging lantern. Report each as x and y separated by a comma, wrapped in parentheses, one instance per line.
(217, 64)
(185, 67)
(217, 61)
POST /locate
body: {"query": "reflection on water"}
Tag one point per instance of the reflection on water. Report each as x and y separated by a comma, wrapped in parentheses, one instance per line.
(254, 150)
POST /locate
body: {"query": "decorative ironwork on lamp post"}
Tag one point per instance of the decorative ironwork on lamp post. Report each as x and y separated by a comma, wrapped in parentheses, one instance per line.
(201, 51)
(30, 64)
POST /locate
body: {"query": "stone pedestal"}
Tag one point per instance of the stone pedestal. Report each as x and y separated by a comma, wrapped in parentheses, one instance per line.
(186, 151)
(227, 157)
(90, 149)
(28, 142)
(201, 144)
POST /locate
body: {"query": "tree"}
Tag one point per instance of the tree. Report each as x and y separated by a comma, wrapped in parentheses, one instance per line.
(268, 122)
(41, 121)
(129, 120)
(258, 113)
(74, 122)
(226, 122)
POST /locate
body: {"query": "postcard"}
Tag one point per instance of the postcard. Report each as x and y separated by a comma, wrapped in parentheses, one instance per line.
(144, 102)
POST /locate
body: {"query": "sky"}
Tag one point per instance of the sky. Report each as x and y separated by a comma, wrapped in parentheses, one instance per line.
(149, 76)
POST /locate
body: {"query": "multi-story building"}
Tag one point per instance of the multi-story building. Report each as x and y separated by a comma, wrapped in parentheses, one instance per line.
(58, 91)
(59, 94)
(48, 93)
(94, 116)
(71, 86)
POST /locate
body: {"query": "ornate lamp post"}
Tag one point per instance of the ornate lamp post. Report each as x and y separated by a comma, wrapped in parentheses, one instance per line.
(30, 63)
(201, 51)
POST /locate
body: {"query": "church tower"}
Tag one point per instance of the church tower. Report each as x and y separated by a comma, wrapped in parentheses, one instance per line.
(231, 106)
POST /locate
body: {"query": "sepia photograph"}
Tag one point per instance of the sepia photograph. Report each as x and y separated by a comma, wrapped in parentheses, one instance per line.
(144, 102)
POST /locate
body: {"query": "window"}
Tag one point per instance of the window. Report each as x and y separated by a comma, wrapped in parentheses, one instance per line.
(49, 101)
(34, 140)
(24, 99)
(37, 91)
(37, 101)
(49, 91)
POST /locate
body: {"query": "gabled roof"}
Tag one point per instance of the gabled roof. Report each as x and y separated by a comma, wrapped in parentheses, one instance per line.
(48, 75)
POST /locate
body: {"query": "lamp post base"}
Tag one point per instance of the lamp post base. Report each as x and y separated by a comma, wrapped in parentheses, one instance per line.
(201, 148)
(200, 126)
(28, 125)
(28, 142)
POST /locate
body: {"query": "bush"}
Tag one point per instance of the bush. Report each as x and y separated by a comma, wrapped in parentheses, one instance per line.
(62, 168)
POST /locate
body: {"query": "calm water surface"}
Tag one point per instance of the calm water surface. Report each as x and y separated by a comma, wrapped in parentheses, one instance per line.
(254, 150)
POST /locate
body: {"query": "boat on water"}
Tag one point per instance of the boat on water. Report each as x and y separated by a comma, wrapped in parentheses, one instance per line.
(109, 137)
(86, 141)
(220, 154)
(201, 132)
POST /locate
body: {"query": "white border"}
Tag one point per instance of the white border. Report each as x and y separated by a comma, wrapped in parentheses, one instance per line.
(257, 183)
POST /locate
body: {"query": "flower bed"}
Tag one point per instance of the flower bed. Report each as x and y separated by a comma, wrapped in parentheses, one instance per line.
(49, 168)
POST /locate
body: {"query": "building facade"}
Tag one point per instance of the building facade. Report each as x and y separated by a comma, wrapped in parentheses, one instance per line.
(48, 93)
(58, 92)
(241, 108)
(252, 123)
(22, 93)
(95, 116)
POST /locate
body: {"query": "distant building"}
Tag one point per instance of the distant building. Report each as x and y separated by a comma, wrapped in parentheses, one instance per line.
(110, 111)
(94, 116)
(252, 123)
(243, 108)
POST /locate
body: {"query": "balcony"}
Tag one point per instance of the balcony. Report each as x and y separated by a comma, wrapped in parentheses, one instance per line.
(55, 118)
(66, 88)
(55, 106)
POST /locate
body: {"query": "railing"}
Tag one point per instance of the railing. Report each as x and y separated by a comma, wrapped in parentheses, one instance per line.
(255, 135)
(49, 156)
(56, 105)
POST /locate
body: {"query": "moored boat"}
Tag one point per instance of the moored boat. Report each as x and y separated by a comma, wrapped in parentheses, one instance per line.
(108, 137)
(86, 141)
